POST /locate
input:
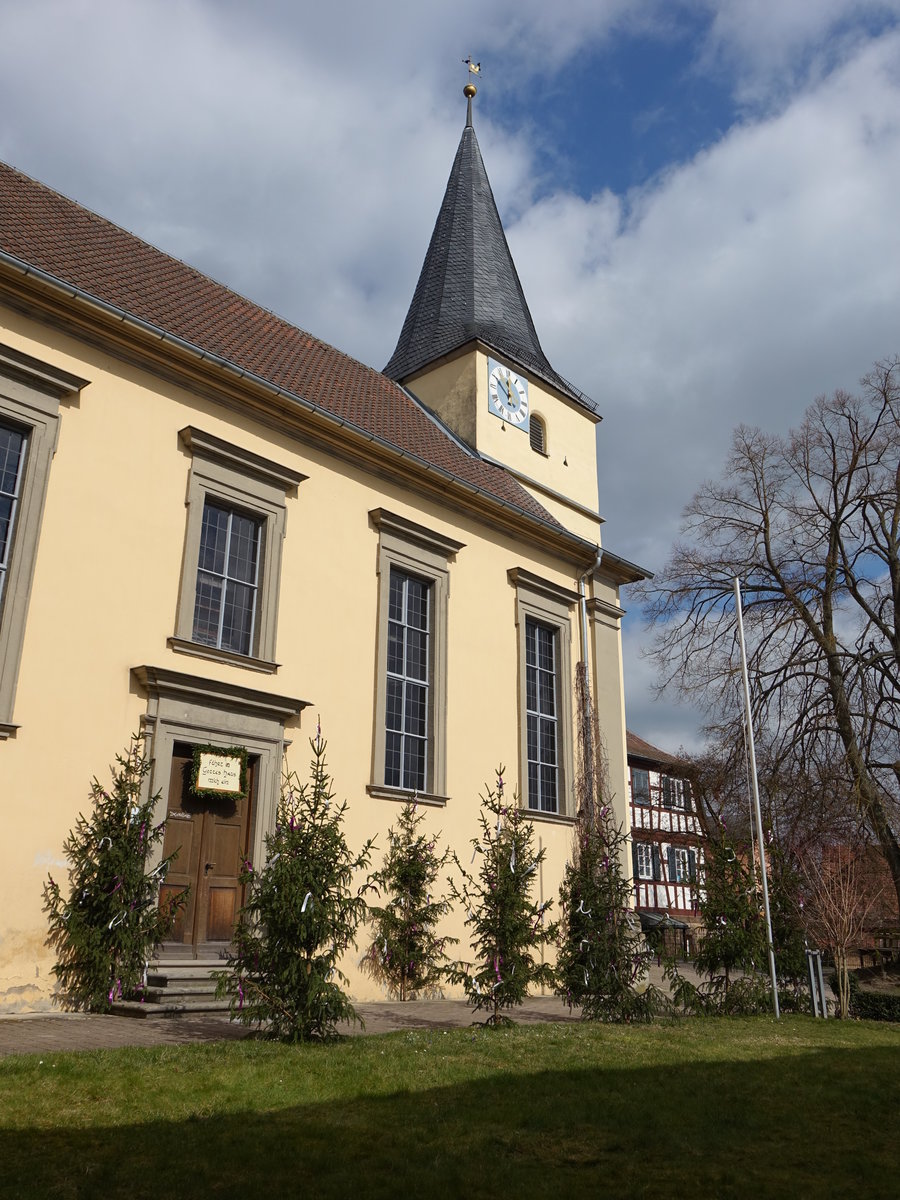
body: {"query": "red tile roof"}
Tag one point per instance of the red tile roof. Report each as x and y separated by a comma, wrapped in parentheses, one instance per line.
(57, 236)
(638, 748)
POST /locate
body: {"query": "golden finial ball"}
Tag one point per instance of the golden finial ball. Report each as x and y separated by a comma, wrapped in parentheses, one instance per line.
(469, 90)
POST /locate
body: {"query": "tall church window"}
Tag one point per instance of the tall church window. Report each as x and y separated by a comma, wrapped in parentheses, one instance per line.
(410, 732)
(546, 759)
(542, 716)
(408, 674)
(236, 520)
(31, 393)
(12, 459)
(227, 579)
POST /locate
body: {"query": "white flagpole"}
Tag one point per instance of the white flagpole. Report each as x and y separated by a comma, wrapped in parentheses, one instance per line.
(760, 840)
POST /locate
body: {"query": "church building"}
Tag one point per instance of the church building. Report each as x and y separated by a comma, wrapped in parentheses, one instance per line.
(216, 530)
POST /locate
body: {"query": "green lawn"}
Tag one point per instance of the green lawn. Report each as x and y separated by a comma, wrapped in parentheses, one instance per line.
(708, 1108)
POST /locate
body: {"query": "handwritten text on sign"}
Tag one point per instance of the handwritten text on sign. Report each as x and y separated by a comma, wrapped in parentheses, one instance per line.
(219, 773)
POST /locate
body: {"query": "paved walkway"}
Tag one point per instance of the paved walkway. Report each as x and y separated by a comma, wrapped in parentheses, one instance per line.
(53, 1033)
(49, 1033)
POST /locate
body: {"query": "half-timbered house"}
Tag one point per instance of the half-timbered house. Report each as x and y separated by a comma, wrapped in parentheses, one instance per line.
(666, 845)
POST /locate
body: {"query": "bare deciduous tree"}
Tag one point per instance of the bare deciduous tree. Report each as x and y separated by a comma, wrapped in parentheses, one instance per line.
(840, 896)
(811, 525)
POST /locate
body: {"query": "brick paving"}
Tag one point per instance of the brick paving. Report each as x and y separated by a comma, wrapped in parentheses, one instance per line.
(53, 1033)
(49, 1033)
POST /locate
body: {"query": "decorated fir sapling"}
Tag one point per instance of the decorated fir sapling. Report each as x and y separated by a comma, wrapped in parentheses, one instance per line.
(107, 926)
(406, 954)
(789, 930)
(603, 958)
(734, 940)
(302, 911)
(732, 953)
(508, 929)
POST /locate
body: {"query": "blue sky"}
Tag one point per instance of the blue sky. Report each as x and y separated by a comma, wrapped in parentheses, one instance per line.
(700, 195)
(621, 112)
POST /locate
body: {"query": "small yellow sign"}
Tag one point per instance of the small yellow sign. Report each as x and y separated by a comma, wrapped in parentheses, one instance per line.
(219, 773)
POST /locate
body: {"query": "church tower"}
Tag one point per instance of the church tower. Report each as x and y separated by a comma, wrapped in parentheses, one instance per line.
(469, 350)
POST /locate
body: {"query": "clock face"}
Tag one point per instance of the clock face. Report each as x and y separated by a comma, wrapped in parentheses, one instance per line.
(507, 394)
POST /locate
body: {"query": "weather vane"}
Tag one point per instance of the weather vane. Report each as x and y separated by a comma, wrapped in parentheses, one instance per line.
(474, 69)
(470, 89)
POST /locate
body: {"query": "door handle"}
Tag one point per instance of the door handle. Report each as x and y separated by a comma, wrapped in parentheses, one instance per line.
(208, 867)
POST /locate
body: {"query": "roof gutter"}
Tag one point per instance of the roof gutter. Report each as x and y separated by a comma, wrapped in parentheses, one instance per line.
(75, 293)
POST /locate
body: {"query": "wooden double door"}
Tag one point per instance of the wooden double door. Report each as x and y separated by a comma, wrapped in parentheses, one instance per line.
(211, 838)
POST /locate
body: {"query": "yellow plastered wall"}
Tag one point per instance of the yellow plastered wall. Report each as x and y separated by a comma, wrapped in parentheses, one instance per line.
(457, 389)
(104, 599)
(569, 464)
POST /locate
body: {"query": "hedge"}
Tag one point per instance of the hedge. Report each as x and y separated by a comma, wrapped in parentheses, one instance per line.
(871, 1006)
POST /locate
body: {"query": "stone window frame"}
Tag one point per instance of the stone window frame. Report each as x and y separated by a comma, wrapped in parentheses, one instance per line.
(31, 392)
(415, 550)
(551, 605)
(246, 482)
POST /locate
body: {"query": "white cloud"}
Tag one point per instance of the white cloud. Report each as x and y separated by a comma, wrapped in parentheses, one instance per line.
(770, 47)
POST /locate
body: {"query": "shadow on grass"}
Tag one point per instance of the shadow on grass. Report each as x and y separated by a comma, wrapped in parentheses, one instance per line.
(816, 1124)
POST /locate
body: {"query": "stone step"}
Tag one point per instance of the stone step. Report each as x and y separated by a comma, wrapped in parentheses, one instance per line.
(186, 966)
(169, 1008)
(164, 980)
(178, 995)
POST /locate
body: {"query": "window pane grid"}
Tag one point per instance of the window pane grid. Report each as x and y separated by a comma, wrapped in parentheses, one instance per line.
(408, 683)
(640, 786)
(644, 861)
(682, 872)
(542, 731)
(227, 580)
(12, 457)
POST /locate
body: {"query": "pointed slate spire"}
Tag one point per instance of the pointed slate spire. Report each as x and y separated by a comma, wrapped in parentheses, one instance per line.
(469, 287)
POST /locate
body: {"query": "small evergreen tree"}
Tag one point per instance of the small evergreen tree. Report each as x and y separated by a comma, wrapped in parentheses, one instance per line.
(507, 927)
(301, 913)
(603, 958)
(110, 923)
(406, 954)
(734, 938)
(788, 930)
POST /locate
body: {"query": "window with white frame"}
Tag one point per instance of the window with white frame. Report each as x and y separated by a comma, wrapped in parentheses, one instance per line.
(411, 658)
(31, 392)
(682, 864)
(236, 523)
(640, 786)
(644, 860)
(675, 793)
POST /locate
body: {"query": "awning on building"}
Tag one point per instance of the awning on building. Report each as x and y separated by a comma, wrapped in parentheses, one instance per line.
(654, 920)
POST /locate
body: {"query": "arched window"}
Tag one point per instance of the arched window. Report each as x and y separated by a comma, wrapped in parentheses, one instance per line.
(538, 434)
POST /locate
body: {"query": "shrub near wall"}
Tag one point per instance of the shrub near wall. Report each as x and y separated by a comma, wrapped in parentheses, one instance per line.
(873, 1006)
